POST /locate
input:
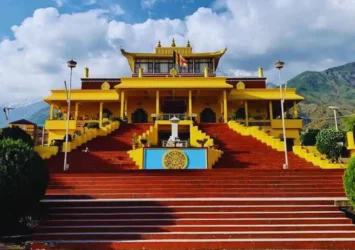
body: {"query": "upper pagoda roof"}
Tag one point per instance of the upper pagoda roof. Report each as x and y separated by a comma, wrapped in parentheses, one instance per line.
(167, 52)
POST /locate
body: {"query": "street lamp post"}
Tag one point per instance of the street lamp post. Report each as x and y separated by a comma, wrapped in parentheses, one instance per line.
(279, 65)
(71, 64)
(334, 108)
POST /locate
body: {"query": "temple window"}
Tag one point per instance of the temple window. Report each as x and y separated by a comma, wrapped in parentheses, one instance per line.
(200, 65)
(163, 66)
(145, 64)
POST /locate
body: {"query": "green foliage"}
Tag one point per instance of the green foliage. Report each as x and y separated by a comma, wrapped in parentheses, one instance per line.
(309, 138)
(330, 143)
(106, 113)
(349, 181)
(23, 180)
(16, 133)
(333, 86)
(349, 123)
(93, 125)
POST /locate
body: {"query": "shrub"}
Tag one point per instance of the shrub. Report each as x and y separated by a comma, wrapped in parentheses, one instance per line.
(16, 133)
(309, 138)
(330, 143)
(115, 119)
(349, 123)
(23, 180)
(349, 181)
(93, 125)
(70, 138)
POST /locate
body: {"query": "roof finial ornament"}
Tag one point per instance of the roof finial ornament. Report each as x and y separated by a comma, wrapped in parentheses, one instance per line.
(173, 43)
(188, 44)
(159, 44)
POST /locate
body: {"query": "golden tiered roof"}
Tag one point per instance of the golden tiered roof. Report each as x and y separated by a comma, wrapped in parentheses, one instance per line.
(167, 53)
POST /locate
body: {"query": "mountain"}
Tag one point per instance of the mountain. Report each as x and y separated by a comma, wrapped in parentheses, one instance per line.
(331, 87)
(33, 112)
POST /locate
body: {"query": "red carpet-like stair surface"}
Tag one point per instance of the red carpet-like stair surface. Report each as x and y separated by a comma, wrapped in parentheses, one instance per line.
(255, 206)
(247, 152)
(106, 153)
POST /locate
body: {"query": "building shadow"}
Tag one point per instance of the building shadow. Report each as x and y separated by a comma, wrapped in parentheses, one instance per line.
(81, 220)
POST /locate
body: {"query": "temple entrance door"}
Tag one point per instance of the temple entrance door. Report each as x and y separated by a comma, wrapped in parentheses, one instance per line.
(139, 116)
(207, 116)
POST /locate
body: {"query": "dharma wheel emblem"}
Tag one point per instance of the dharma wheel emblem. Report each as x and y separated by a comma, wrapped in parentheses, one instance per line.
(105, 86)
(240, 85)
(173, 72)
(175, 159)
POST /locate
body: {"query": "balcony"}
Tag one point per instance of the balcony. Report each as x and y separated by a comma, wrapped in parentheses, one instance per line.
(289, 124)
(59, 124)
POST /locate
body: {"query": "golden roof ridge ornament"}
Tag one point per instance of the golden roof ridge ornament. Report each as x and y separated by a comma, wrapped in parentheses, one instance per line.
(188, 44)
(173, 43)
(159, 44)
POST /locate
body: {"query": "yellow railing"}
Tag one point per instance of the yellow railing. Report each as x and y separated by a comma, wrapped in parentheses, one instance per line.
(151, 135)
(59, 124)
(311, 154)
(137, 156)
(213, 156)
(196, 134)
(289, 124)
(351, 143)
(257, 133)
(88, 135)
(46, 152)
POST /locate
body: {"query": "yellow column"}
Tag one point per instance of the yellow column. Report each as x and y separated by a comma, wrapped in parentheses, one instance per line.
(190, 103)
(246, 113)
(157, 103)
(125, 106)
(225, 114)
(295, 111)
(101, 108)
(76, 110)
(51, 108)
(270, 111)
(122, 104)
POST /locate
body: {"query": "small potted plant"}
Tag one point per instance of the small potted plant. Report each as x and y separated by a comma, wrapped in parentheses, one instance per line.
(134, 141)
(144, 142)
(202, 142)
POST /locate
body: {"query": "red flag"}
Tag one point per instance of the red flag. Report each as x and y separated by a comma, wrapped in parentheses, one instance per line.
(179, 60)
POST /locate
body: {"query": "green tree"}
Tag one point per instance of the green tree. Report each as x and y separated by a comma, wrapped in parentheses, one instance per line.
(16, 133)
(349, 181)
(349, 123)
(330, 142)
(23, 180)
(309, 138)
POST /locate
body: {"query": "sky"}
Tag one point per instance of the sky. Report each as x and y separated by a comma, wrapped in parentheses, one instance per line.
(38, 37)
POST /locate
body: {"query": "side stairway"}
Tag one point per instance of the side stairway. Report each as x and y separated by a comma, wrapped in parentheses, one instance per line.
(215, 209)
(247, 152)
(106, 153)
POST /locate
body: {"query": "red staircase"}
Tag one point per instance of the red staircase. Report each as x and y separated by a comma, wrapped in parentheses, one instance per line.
(208, 209)
(255, 206)
(106, 153)
(247, 152)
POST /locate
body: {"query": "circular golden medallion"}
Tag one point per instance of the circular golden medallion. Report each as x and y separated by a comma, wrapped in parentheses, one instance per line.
(105, 86)
(173, 72)
(240, 85)
(175, 159)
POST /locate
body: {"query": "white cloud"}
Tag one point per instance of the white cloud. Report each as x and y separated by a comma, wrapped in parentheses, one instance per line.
(90, 2)
(148, 4)
(305, 34)
(116, 9)
(60, 3)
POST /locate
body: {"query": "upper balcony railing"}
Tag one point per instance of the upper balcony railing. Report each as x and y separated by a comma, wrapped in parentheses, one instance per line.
(168, 116)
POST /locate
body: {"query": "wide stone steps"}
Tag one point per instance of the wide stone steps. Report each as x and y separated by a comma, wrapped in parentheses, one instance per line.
(106, 153)
(247, 152)
(194, 224)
